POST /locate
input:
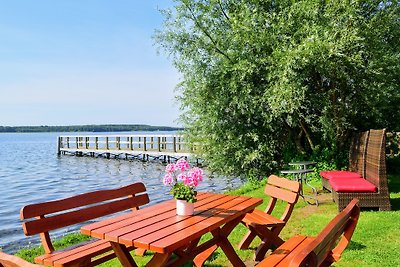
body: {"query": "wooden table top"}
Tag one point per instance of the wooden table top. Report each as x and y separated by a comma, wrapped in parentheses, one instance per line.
(159, 229)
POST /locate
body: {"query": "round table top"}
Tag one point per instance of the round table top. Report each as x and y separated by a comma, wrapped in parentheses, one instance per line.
(304, 163)
(297, 171)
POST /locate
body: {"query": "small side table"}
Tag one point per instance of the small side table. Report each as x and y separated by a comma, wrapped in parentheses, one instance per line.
(300, 175)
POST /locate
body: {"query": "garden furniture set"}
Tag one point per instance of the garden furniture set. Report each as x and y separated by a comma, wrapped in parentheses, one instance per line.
(175, 239)
(159, 229)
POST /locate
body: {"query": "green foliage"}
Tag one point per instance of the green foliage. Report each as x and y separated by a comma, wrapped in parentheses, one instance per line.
(263, 77)
(184, 192)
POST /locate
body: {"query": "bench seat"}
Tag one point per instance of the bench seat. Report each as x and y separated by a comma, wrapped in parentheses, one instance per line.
(339, 175)
(77, 254)
(352, 185)
(283, 255)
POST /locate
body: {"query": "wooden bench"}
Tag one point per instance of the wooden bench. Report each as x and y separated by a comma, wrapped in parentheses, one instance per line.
(7, 260)
(322, 250)
(47, 216)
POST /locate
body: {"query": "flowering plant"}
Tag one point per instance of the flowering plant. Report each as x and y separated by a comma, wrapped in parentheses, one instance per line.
(183, 179)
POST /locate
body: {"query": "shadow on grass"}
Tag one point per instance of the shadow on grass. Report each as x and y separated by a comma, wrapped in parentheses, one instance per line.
(356, 246)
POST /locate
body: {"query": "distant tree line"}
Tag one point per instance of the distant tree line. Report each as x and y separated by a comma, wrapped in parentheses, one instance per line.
(87, 128)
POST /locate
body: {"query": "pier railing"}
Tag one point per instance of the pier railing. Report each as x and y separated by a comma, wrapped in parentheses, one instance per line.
(145, 145)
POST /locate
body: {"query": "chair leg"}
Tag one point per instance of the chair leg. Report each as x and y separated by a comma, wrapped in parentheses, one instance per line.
(262, 250)
(270, 239)
(246, 240)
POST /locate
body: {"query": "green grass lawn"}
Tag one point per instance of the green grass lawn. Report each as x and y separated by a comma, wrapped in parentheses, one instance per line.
(376, 241)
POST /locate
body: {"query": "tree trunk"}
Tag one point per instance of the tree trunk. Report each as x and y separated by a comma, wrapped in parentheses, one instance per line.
(308, 136)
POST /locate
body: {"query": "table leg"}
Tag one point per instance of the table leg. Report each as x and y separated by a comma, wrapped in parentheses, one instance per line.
(231, 253)
(313, 190)
(221, 235)
(159, 260)
(140, 251)
(123, 255)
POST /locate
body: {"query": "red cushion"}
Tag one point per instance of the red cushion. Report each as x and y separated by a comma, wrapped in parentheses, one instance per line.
(339, 174)
(352, 185)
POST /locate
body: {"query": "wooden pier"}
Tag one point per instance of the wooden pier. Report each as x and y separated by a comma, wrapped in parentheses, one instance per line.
(143, 147)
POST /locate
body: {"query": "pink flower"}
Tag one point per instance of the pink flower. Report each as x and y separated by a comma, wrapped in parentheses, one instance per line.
(182, 177)
(170, 167)
(182, 165)
(168, 179)
(196, 174)
(191, 182)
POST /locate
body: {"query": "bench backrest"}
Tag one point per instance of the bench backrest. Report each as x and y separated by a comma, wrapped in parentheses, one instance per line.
(329, 245)
(375, 163)
(357, 152)
(46, 216)
(283, 189)
(7, 260)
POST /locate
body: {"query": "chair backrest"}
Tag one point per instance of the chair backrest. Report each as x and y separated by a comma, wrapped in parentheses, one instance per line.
(357, 152)
(329, 245)
(283, 189)
(46, 216)
(375, 163)
(7, 260)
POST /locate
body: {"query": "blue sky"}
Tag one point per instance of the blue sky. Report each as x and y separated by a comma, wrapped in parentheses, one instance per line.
(71, 62)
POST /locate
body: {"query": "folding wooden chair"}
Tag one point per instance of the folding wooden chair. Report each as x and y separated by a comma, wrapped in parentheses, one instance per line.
(263, 224)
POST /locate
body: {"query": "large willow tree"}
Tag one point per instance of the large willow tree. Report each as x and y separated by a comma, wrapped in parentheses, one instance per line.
(263, 76)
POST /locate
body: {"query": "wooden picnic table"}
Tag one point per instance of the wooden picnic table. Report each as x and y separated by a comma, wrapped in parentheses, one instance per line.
(157, 228)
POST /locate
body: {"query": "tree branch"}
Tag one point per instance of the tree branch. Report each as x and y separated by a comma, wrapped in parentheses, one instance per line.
(223, 11)
(206, 33)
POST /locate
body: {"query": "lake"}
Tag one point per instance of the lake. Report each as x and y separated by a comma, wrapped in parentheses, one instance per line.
(31, 172)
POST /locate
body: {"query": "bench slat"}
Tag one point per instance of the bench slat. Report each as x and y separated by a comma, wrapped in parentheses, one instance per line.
(283, 251)
(82, 215)
(7, 260)
(285, 183)
(35, 210)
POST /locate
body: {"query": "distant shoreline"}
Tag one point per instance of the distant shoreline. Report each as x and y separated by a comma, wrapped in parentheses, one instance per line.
(87, 128)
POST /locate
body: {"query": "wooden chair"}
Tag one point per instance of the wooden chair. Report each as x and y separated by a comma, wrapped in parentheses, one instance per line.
(375, 174)
(7, 260)
(263, 224)
(323, 250)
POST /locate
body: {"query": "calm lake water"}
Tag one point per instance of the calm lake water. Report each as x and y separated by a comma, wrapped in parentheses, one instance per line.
(31, 172)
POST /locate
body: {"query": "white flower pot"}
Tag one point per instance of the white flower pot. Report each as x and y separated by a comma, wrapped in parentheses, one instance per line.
(184, 208)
